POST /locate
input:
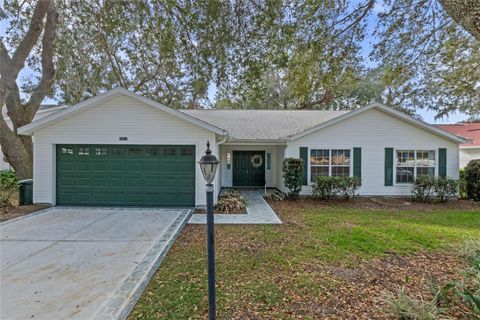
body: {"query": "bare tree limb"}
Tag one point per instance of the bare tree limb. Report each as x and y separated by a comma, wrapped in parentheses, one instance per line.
(366, 9)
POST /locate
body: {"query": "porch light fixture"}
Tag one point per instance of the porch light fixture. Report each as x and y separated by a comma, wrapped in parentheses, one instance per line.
(208, 164)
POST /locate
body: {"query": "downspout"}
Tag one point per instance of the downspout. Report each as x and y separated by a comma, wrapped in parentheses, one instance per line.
(225, 138)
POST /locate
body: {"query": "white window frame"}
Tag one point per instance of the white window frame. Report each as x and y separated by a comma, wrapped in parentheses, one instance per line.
(395, 160)
(350, 166)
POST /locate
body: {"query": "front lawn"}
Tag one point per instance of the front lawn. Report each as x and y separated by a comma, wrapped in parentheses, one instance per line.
(325, 261)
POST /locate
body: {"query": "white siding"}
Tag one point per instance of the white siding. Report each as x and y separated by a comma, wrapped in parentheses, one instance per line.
(374, 131)
(104, 124)
(467, 155)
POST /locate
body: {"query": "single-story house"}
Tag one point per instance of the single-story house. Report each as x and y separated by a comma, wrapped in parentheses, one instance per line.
(43, 111)
(120, 148)
(471, 130)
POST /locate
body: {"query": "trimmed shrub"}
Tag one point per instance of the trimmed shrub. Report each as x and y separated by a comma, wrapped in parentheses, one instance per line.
(472, 180)
(8, 186)
(275, 195)
(324, 187)
(446, 189)
(426, 188)
(423, 188)
(348, 187)
(292, 176)
(231, 201)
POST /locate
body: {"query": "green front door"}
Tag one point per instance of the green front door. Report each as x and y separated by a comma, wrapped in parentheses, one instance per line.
(248, 168)
(126, 175)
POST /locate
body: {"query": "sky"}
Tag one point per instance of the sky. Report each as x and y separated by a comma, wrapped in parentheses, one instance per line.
(427, 115)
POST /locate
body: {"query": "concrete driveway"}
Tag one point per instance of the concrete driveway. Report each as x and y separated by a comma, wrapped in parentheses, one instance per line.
(82, 263)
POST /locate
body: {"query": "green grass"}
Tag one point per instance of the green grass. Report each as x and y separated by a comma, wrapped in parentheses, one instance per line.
(266, 270)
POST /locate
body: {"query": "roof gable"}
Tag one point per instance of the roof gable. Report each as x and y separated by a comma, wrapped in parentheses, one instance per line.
(469, 130)
(102, 98)
(392, 112)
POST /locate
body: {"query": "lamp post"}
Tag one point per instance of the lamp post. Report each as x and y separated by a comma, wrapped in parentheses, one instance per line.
(208, 164)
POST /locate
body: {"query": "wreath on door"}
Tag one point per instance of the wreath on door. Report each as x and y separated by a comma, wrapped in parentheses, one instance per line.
(256, 161)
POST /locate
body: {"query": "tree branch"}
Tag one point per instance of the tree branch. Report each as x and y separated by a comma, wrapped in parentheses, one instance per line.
(326, 98)
(31, 37)
(48, 68)
(366, 8)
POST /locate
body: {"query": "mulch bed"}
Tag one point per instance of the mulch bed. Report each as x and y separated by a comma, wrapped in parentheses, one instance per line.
(380, 203)
(11, 212)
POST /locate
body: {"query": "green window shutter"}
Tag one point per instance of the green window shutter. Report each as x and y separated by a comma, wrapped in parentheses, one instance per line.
(357, 162)
(442, 162)
(388, 167)
(304, 157)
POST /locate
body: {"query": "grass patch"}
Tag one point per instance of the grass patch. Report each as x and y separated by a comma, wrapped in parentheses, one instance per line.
(280, 271)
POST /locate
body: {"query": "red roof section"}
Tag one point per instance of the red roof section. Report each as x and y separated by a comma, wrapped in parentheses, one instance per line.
(467, 130)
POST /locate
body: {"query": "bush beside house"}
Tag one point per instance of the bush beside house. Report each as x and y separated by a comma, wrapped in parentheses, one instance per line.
(292, 176)
(325, 188)
(426, 189)
(472, 180)
(8, 186)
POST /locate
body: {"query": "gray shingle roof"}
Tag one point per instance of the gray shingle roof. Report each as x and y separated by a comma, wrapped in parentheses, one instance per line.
(264, 124)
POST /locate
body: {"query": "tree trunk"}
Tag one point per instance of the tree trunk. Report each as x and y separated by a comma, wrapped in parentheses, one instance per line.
(18, 150)
(466, 13)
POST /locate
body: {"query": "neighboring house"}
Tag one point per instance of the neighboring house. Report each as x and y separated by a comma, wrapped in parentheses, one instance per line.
(43, 111)
(470, 130)
(120, 148)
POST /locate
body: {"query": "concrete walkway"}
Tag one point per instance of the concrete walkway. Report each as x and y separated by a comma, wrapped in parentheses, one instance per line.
(258, 212)
(82, 263)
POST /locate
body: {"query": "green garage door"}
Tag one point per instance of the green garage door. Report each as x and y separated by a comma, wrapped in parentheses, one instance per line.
(126, 175)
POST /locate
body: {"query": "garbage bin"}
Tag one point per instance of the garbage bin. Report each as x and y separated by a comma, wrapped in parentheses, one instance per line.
(25, 192)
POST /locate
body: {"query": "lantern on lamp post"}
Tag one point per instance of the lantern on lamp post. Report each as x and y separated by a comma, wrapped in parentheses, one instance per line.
(208, 165)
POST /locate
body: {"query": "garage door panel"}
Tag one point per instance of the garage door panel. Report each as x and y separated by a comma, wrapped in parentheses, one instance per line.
(68, 195)
(126, 175)
(100, 182)
(152, 183)
(117, 182)
(117, 166)
(83, 196)
(99, 167)
(83, 167)
(66, 166)
(83, 182)
(67, 182)
(134, 166)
